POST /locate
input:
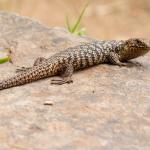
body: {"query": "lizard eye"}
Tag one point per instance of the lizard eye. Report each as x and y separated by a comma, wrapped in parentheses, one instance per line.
(138, 41)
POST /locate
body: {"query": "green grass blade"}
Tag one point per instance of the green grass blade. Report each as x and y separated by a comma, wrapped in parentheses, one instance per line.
(79, 19)
(68, 24)
(3, 55)
(3, 60)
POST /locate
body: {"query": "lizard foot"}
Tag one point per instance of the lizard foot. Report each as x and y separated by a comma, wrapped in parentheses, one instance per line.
(61, 81)
(134, 64)
(22, 69)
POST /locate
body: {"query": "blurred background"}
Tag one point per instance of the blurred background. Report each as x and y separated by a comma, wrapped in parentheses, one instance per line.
(103, 19)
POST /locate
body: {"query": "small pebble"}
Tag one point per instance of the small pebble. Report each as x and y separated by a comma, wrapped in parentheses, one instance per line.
(48, 103)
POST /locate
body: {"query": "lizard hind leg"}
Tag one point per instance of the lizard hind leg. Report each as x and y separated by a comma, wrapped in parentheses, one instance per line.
(66, 73)
(36, 63)
(39, 61)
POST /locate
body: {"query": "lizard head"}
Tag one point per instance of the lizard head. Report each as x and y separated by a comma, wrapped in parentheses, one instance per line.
(134, 48)
(138, 44)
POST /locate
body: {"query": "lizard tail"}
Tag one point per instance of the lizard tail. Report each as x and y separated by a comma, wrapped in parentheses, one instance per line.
(8, 83)
(24, 78)
(17, 80)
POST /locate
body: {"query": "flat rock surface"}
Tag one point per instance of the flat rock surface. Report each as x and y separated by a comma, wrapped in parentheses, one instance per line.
(106, 108)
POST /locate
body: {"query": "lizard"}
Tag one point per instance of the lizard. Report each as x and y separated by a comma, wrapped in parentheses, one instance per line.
(65, 62)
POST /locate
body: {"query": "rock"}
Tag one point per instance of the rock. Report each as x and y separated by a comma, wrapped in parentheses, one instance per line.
(107, 107)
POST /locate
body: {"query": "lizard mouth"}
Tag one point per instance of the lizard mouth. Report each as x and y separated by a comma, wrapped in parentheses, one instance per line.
(141, 48)
(148, 48)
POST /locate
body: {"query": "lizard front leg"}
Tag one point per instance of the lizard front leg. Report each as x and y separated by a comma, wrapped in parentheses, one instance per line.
(65, 73)
(114, 59)
(36, 63)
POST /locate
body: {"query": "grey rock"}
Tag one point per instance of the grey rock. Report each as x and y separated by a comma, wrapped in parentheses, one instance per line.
(106, 108)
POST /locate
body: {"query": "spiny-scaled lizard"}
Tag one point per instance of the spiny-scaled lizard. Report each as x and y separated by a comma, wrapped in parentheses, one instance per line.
(82, 56)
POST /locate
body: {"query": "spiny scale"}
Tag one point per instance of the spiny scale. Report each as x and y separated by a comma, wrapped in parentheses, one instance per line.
(75, 58)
